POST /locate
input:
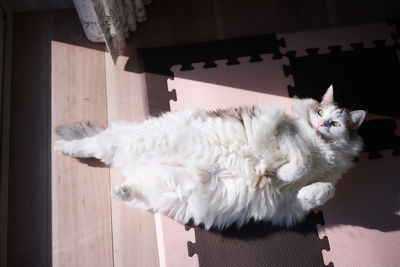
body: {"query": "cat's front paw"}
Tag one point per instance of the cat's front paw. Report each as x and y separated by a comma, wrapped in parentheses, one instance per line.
(315, 195)
(122, 192)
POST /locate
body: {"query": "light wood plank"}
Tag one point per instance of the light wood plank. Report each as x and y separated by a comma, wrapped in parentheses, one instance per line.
(134, 233)
(81, 224)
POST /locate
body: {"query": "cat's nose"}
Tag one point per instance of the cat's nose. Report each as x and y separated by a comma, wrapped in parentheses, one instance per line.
(319, 125)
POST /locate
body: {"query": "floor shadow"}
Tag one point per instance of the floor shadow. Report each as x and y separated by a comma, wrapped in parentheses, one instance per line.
(379, 134)
(363, 78)
(259, 230)
(368, 195)
(92, 162)
(67, 28)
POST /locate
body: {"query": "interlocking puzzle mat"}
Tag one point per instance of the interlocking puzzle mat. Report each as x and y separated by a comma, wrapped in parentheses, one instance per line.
(260, 244)
(362, 221)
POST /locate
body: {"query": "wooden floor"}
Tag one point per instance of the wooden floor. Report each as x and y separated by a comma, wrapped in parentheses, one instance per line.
(61, 207)
(88, 229)
(85, 221)
(59, 210)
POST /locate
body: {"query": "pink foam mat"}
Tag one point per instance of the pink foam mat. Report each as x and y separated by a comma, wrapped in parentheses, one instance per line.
(226, 86)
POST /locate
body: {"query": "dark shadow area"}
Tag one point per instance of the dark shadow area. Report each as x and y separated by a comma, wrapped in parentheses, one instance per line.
(174, 22)
(363, 78)
(160, 60)
(261, 244)
(395, 23)
(378, 135)
(93, 162)
(258, 230)
(368, 195)
(67, 28)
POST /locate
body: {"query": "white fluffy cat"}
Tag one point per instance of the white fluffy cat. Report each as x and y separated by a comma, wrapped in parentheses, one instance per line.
(227, 166)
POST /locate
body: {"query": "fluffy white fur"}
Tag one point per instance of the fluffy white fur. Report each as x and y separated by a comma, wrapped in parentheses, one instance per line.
(229, 166)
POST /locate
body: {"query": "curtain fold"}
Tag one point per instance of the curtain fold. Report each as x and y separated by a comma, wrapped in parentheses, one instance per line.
(110, 21)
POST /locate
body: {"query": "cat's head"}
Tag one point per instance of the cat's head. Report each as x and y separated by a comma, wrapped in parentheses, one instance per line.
(327, 119)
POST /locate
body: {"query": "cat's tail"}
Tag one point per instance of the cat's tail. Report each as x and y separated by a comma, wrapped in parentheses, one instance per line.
(78, 130)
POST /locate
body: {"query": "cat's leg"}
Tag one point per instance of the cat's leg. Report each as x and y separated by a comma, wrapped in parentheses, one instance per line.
(297, 153)
(297, 166)
(80, 148)
(99, 146)
(159, 188)
(314, 195)
(132, 194)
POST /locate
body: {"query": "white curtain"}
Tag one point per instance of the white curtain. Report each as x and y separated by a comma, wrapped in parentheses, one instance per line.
(110, 21)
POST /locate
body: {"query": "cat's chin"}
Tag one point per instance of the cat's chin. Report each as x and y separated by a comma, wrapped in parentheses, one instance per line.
(321, 133)
(318, 131)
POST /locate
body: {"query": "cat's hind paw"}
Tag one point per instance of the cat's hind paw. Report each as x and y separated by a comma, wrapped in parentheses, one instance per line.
(70, 148)
(61, 147)
(122, 192)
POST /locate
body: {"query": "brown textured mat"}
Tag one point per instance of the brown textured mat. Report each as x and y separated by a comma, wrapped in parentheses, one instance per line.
(260, 244)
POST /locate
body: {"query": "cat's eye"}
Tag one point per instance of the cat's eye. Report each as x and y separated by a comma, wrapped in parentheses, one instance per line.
(320, 113)
(336, 124)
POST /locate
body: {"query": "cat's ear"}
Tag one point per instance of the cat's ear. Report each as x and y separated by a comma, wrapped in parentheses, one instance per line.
(327, 99)
(357, 117)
